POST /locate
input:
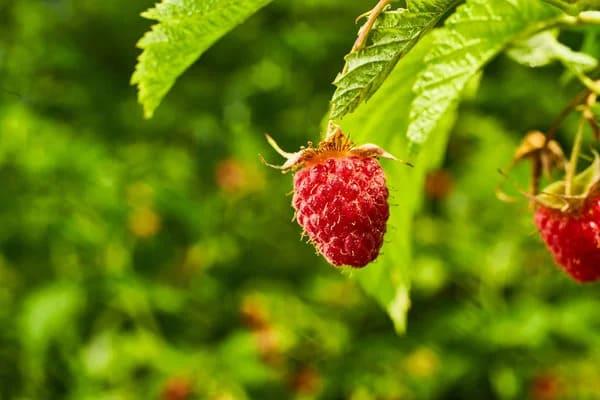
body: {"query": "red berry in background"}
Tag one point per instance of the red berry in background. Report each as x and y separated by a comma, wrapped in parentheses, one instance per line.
(547, 387)
(438, 184)
(177, 388)
(340, 198)
(306, 381)
(573, 238)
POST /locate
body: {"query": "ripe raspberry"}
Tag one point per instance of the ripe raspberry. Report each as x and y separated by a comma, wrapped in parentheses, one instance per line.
(341, 202)
(573, 238)
(340, 198)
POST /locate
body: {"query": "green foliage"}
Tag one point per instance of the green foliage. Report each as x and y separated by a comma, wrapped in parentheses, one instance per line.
(478, 31)
(185, 30)
(142, 259)
(393, 35)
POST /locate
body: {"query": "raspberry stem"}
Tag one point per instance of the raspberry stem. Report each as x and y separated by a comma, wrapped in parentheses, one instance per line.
(364, 30)
(572, 167)
(576, 102)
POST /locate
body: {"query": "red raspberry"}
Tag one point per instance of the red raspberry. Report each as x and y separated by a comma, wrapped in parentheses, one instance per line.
(342, 204)
(573, 238)
(340, 198)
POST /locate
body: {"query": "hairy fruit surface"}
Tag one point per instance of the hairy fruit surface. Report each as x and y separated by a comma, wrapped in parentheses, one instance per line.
(340, 198)
(342, 204)
(573, 238)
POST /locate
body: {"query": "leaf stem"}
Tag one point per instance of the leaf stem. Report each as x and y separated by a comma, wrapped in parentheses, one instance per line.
(572, 167)
(363, 32)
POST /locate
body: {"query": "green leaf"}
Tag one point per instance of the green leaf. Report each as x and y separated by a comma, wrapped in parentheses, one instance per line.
(544, 48)
(393, 36)
(185, 30)
(478, 31)
(383, 121)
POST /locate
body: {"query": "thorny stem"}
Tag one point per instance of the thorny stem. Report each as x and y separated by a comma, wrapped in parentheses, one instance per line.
(364, 31)
(572, 167)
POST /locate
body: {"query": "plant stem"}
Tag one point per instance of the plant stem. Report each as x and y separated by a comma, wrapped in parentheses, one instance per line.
(577, 100)
(588, 82)
(572, 167)
(590, 17)
(361, 40)
(364, 31)
(581, 19)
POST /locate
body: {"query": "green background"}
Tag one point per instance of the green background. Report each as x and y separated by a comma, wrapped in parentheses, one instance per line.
(157, 259)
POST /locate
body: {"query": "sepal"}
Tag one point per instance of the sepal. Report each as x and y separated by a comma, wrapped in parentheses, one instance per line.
(584, 185)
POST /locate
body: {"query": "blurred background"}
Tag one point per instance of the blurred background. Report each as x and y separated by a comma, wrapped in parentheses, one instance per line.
(157, 259)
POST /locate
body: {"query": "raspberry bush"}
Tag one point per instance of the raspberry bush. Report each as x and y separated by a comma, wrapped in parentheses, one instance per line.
(161, 259)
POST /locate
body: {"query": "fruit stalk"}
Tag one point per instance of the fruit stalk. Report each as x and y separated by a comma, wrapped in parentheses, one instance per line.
(565, 112)
(572, 167)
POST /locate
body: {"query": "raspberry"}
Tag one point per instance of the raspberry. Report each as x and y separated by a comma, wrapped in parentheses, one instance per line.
(573, 238)
(342, 204)
(340, 198)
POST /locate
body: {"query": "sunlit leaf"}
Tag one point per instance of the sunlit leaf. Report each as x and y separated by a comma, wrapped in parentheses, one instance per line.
(393, 36)
(472, 36)
(185, 30)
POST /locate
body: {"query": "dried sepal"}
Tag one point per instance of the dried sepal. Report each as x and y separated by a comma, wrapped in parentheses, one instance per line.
(537, 147)
(545, 156)
(372, 150)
